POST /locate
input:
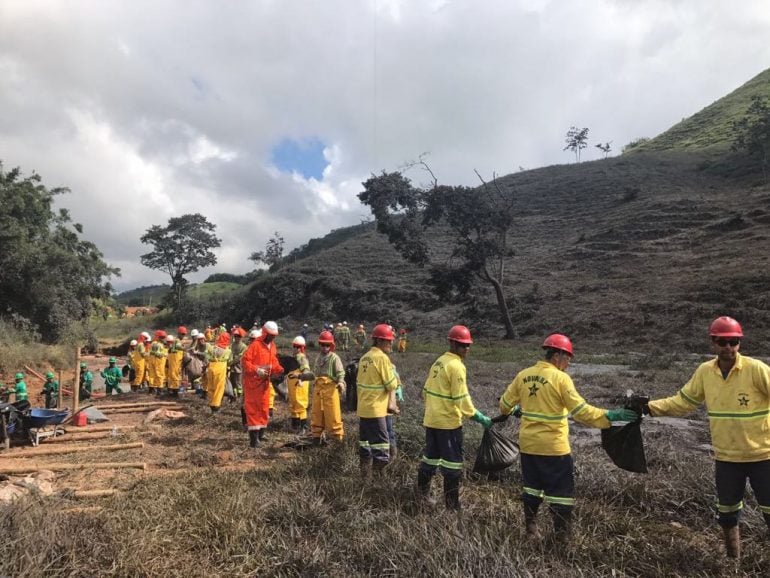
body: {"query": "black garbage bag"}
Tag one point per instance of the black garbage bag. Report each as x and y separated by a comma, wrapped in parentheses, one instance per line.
(351, 386)
(625, 447)
(496, 452)
(288, 362)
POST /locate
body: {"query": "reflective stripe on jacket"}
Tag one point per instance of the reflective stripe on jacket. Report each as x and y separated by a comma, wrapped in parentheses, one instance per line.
(446, 395)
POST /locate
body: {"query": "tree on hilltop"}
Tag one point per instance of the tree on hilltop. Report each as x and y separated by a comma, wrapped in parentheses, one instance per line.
(50, 279)
(273, 253)
(576, 140)
(480, 221)
(181, 247)
(752, 132)
(606, 148)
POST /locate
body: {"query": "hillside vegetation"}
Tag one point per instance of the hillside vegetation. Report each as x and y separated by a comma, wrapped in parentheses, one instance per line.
(712, 127)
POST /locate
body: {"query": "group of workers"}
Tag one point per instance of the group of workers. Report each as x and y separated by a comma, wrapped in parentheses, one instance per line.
(735, 389)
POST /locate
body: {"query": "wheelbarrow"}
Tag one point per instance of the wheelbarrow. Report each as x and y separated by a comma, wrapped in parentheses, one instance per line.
(42, 423)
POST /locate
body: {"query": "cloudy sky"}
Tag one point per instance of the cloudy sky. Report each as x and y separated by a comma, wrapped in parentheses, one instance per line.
(266, 115)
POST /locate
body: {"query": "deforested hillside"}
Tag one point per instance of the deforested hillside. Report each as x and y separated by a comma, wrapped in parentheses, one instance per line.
(634, 250)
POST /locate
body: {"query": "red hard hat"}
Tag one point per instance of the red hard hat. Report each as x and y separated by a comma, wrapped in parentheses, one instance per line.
(725, 327)
(558, 341)
(160, 334)
(460, 333)
(182, 330)
(382, 331)
(326, 337)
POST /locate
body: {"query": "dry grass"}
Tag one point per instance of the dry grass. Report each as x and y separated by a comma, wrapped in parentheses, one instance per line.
(310, 515)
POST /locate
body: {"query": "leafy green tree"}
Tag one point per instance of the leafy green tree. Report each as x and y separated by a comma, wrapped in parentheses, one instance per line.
(576, 140)
(479, 220)
(49, 277)
(273, 253)
(183, 246)
(752, 131)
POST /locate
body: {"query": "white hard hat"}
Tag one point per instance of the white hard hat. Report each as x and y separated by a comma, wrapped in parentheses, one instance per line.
(255, 333)
(134, 343)
(304, 325)
(194, 333)
(271, 328)
(299, 340)
(170, 338)
(344, 322)
(146, 335)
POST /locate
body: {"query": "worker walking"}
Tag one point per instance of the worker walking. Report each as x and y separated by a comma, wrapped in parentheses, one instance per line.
(402, 341)
(260, 362)
(329, 375)
(345, 336)
(546, 397)
(51, 391)
(736, 391)
(174, 363)
(112, 376)
(375, 381)
(157, 363)
(218, 355)
(298, 388)
(360, 337)
(447, 402)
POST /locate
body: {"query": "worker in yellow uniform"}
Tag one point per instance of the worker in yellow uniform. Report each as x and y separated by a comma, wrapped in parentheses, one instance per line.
(329, 375)
(157, 367)
(218, 356)
(174, 364)
(298, 389)
(447, 402)
(141, 379)
(376, 379)
(545, 397)
(736, 391)
(402, 341)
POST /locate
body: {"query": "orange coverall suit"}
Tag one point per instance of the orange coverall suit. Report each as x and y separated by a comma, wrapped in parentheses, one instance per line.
(256, 390)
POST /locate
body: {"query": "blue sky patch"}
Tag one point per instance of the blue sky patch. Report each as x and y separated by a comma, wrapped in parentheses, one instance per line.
(305, 157)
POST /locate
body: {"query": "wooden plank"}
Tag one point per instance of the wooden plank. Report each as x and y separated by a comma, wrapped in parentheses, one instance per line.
(141, 409)
(21, 468)
(136, 404)
(71, 450)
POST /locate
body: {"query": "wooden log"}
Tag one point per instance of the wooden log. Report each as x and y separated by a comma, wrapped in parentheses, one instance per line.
(33, 372)
(99, 435)
(101, 407)
(80, 494)
(82, 510)
(28, 468)
(72, 450)
(141, 409)
(76, 384)
(95, 428)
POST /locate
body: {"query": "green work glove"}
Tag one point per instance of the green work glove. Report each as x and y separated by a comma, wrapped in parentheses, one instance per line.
(621, 414)
(399, 393)
(482, 419)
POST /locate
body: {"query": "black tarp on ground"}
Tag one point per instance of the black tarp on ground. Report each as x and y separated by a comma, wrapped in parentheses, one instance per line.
(496, 452)
(625, 447)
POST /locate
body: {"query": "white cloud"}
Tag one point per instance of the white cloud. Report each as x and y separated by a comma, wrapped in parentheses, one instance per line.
(148, 110)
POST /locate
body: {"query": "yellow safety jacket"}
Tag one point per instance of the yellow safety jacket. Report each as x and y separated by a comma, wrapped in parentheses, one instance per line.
(738, 407)
(376, 377)
(547, 398)
(446, 395)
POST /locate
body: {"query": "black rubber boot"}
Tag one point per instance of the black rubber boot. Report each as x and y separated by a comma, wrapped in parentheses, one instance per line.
(393, 452)
(562, 524)
(302, 427)
(452, 493)
(261, 433)
(295, 421)
(253, 438)
(423, 488)
(530, 521)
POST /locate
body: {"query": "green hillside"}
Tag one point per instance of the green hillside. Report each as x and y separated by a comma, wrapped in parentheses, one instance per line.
(153, 295)
(712, 127)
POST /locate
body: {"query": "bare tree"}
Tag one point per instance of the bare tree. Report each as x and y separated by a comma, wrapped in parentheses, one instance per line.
(577, 140)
